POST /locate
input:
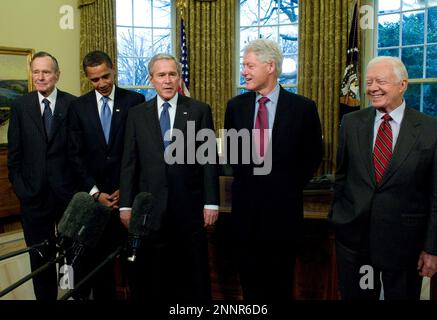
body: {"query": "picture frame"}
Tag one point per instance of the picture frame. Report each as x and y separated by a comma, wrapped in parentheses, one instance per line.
(15, 80)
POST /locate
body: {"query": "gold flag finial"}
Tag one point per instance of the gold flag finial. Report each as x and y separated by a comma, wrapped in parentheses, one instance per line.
(181, 5)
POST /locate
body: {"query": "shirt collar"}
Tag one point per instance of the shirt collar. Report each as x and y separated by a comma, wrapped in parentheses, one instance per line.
(273, 95)
(173, 101)
(51, 97)
(111, 96)
(397, 114)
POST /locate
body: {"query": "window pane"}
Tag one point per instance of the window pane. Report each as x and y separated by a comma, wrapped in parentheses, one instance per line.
(241, 70)
(125, 71)
(124, 12)
(388, 30)
(413, 28)
(389, 52)
(430, 99)
(432, 25)
(143, 41)
(288, 37)
(292, 89)
(248, 12)
(162, 14)
(431, 62)
(268, 12)
(388, 6)
(142, 13)
(288, 12)
(270, 33)
(148, 93)
(412, 96)
(432, 3)
(141, 73)
(247, 35)
(412, 4)
(289, 70)
(162, 41)
(413, 60)
(125, 41)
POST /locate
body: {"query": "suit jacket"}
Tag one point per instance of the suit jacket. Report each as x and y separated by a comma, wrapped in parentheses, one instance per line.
(296, 146)
(179, 189)
(397, 219)
(37, 162)
(95, 162)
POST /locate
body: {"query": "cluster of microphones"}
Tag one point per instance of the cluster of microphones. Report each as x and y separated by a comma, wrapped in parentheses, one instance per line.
(81, 228)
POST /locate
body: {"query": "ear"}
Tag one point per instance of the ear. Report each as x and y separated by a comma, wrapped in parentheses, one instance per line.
(404, 85)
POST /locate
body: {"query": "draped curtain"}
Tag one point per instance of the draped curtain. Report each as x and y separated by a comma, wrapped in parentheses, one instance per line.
(210, 30)
(323, 33)
(97, 32)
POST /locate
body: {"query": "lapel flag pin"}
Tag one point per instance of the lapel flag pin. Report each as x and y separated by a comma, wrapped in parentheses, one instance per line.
(117, 110)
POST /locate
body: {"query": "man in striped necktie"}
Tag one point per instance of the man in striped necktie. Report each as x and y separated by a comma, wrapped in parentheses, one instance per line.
(385, 206)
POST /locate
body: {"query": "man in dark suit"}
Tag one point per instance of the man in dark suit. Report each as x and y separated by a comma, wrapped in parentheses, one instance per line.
(96, 130)
(173, 263)
(38, 165)
(385, 206)
(267, 207)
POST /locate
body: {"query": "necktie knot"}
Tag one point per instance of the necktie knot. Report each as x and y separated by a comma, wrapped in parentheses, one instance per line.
(386, 117)
(263, 100)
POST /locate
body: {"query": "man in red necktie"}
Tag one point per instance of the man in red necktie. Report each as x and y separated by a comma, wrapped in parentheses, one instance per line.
(267, 209)
(385, 206)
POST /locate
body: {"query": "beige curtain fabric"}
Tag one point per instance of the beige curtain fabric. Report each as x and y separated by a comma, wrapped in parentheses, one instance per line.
(210, 29)
(323, 33)
(97, 32)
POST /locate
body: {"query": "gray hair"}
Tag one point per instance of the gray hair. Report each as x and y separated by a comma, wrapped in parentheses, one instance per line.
(163, 56)
(266, 51)
(42, 54)
(399, 68)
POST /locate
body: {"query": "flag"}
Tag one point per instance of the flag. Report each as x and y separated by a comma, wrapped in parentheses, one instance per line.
(185, 81)
(350, 84)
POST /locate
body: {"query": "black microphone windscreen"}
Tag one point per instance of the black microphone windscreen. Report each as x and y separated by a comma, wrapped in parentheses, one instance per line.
(93, 225)
(81, 206)
(141, 210)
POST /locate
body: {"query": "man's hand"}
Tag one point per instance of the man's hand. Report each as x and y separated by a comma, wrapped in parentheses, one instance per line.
(427, 264)
(115, 198)
(210, 217)
(125, 216)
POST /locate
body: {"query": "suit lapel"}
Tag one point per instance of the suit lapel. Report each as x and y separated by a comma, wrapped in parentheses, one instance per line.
(152, 123)
(117, 114)
(59, 114)
(365, 142)
(407, 138)
(182, 115)
(34, 111)
(94, 118)
(248, 112)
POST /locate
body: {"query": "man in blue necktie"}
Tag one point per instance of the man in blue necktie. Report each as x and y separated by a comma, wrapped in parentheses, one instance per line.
(173, 261)
(96, 131)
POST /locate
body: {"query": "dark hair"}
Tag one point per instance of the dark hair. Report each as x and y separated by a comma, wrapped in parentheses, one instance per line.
(96, 58)
(42, 54)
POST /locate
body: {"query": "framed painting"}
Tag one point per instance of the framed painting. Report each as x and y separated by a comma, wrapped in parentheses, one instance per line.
(15, 80)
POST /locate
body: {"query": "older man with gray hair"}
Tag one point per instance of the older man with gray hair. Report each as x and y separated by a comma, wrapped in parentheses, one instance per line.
(385, 201)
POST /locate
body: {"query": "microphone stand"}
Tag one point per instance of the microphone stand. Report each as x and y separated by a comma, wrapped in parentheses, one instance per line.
(31, 275)
(21, 251)
(92, 273)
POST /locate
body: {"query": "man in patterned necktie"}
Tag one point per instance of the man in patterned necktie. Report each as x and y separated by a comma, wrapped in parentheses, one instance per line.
(38, 164)
(385, 206)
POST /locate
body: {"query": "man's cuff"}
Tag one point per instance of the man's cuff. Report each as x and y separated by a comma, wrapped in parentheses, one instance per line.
(94, 190)
(211, 206)
(125, 209)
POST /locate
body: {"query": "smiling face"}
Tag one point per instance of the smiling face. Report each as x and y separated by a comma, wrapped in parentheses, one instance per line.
(44, 75)
(102, 78)
(165, 78)
(259, 76)
(383, 88)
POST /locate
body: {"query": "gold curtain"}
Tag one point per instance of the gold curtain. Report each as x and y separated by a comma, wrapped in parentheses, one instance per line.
(210, 30)
(97, 32)
(323, 33)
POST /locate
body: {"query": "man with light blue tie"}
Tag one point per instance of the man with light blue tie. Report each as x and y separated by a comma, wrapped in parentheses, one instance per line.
(172, 262)
(96, 131)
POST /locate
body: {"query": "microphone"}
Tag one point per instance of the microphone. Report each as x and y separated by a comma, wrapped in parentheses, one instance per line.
(141, 211)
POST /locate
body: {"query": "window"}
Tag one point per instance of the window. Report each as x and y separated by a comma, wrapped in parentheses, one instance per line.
(144, 28)
(408, 29)
(276, 20)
